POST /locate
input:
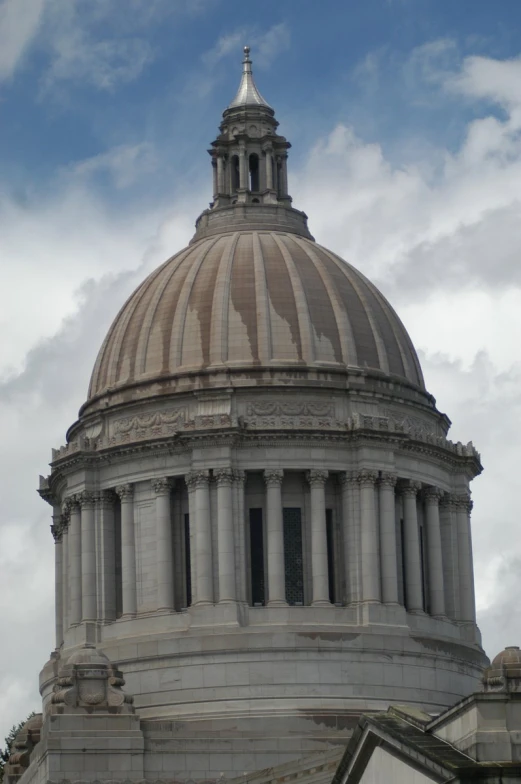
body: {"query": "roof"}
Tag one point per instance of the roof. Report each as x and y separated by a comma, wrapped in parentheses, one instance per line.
(248, 94)
(244, 300)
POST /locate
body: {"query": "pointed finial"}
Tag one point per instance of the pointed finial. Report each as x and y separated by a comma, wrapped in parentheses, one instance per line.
(246, 63)
(248, 95)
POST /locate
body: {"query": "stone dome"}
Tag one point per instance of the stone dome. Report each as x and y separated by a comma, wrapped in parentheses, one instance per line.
(507, 664)
(249, 300)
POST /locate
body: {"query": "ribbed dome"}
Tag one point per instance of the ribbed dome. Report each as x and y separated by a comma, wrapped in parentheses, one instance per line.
(250, 299)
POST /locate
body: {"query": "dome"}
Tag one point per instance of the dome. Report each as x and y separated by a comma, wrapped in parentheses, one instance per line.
(507, 663)
(250, 299)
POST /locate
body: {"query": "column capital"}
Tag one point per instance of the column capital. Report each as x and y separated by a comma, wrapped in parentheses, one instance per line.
(366, 477)
(317, 477)
(57, 528)
(197, 479)
(85, 499)
(461, 501)
(239, 476)
(273, 476)
(70, 503)
(125, 492)
(433, 495)
(223, 476)
(347, 477)
(105, 499)
(387, 479)
(409, 487)
(162, 485)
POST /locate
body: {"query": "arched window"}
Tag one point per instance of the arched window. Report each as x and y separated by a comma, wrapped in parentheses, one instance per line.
(234, 171)
(254, 172)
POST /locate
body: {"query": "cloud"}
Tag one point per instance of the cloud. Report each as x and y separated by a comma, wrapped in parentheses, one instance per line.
(266, 46)
(124, 163)
(19, 23)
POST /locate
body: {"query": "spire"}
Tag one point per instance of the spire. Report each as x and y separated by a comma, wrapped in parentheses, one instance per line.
(247, 94)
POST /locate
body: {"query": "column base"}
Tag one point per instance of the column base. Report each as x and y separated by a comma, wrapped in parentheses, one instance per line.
(277, 603)
(321, 603)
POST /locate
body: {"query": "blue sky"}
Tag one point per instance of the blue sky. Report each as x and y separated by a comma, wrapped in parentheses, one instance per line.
(405, 123)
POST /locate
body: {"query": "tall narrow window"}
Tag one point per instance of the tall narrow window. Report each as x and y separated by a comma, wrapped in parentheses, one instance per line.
(254, 172)
(188, 571)
(258, 593)
(118, 577)
(330, 533)
(234, 173)
(293, 567)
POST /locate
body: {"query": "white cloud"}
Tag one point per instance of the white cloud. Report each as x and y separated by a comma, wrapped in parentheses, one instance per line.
(19, 23)
(124, 163)
(266, 46)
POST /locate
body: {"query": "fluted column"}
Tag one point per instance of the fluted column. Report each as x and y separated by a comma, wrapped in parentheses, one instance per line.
(75, 562)
(465, 562)
(388, 559)
(369, 537)
(190, 484)
(220, 174)
(105, 508)
(128, 550)
(240, 533)
(269, 170)
(351, 536)
(434, 553)
(225, 538)
(319, 565)
(243, 169)
(57, 532)
(449, 543)
(88, 557)
(413, 569)
(165, 568)
(283, 175)
(200, 483)
(275, 534)
(65, 522)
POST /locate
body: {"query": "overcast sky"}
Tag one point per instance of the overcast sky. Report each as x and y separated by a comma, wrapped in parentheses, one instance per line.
(405, 121)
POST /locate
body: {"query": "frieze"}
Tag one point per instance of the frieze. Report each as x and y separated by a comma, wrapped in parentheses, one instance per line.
(411, 424)
(311, 415)
(156, 425)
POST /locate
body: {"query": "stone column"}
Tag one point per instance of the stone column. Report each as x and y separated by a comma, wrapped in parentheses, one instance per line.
(128, 550)
(351, 536)
(388, 558)
(199, 481)
(243, 169)
(75, 562)
(269, 170)
(434, 554)
(225, 538)
(88, 557)
(319, 565)
(165, 568)
(220, 174)
(449, 544)
(65, 521)
(465, 561)
(275, 535)
(105, 508)
(413, 568)
(240, 550)
(57, 532)
(283, 175)
(215, 177)
(369, 537)
(190, 483)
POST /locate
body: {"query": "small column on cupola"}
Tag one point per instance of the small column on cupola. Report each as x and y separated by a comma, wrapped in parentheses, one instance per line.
(248, 157)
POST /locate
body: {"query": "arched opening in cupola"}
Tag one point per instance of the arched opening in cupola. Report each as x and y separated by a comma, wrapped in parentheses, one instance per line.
(254, 172)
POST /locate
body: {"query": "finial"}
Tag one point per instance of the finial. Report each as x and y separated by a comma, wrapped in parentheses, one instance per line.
(246, 63)
(246, 51)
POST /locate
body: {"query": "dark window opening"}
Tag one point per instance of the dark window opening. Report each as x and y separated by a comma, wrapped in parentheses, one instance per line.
(188, 570)
(254, 172)
(235, 174)
(118, 575)
(330, 533)
(293, 566)
(258, 592)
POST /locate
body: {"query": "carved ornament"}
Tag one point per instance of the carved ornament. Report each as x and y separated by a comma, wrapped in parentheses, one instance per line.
(163, 485)
(197, 479)
(317, 477)
(125, 492)
(273, 477)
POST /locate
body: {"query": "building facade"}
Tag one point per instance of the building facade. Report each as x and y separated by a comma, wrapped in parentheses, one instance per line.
(258, 515)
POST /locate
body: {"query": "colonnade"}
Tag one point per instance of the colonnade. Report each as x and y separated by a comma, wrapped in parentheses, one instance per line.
(380, 552)
(272, 170)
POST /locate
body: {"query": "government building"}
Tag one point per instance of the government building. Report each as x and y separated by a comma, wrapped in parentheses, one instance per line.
(262, 530)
